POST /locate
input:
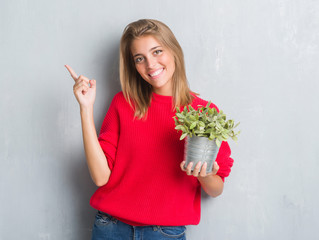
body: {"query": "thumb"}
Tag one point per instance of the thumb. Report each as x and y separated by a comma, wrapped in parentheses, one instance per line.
(93, 83)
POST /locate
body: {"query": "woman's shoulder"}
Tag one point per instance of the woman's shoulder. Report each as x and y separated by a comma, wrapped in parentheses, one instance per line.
(117, 101)
(119, 95)
(120, 102)
(118, 98)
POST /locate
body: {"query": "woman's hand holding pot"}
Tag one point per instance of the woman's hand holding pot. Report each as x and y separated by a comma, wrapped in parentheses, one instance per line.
(199, 170)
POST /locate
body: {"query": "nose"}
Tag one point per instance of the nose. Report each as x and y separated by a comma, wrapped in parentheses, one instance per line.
(151, 62)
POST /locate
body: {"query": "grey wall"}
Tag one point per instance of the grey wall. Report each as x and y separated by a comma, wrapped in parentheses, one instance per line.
(257, 60)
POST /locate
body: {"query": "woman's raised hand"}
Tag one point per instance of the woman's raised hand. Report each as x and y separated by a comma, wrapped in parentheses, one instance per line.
(84, 89)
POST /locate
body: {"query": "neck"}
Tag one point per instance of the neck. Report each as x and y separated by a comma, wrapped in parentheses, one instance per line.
(164, 93)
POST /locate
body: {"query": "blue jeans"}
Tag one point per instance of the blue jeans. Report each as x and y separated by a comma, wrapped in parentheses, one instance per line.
(107, 227)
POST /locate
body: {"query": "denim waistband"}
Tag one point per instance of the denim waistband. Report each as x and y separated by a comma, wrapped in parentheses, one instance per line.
(113, 219)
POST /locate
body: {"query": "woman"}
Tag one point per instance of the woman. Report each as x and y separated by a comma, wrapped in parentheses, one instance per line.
(145, 191)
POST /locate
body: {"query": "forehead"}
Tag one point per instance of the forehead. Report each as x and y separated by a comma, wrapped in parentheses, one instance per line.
(144, 44)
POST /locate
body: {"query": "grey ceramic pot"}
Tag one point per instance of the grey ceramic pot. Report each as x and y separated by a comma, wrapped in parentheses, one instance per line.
(200, 149)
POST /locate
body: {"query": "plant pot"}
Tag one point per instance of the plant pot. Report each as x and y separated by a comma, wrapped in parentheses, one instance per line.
(200, 149)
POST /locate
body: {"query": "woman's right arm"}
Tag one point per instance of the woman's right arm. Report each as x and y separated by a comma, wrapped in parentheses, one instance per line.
(95, 157)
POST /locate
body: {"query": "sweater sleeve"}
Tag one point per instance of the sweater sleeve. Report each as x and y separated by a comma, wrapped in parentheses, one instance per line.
(224, 161)
(109, 133)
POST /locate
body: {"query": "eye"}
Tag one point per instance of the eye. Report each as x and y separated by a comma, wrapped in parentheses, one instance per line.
(139, 59)
(156, 52)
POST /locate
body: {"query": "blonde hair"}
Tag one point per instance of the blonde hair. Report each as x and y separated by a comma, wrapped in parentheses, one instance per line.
(134, 87)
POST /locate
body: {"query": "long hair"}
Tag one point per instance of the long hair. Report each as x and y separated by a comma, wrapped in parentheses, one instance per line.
(136, 90)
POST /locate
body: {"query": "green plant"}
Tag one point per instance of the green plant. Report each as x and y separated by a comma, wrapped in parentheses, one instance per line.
(204, 122)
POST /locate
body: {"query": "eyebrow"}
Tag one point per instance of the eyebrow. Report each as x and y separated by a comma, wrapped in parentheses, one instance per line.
(149, 51)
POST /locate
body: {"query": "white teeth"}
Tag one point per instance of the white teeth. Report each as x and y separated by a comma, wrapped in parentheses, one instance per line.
(156, 73)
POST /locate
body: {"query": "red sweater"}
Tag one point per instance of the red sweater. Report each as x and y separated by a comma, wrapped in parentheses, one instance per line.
(146, 185)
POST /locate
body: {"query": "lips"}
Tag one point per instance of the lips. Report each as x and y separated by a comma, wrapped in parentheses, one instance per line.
(156, 73)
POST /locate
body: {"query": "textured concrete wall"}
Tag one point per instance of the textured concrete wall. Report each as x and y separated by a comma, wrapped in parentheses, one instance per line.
(257, 60)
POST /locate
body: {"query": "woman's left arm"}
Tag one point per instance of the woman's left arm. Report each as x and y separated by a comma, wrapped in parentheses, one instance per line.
(212, 184)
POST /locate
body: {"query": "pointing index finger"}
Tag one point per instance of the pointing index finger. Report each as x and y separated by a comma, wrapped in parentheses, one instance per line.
(71, 71)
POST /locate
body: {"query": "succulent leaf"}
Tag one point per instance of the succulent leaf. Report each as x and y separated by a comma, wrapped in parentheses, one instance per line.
(206, 122)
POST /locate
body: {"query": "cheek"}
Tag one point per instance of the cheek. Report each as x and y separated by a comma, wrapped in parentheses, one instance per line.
(170, 62)
(139, 69)
(171, 65)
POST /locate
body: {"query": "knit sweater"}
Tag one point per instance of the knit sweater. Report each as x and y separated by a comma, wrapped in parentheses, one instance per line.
(146, 185)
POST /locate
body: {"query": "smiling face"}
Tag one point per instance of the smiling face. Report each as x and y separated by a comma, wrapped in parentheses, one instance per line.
(155, 63)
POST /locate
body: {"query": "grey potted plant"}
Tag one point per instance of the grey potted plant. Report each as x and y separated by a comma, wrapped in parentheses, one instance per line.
(204, 130)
